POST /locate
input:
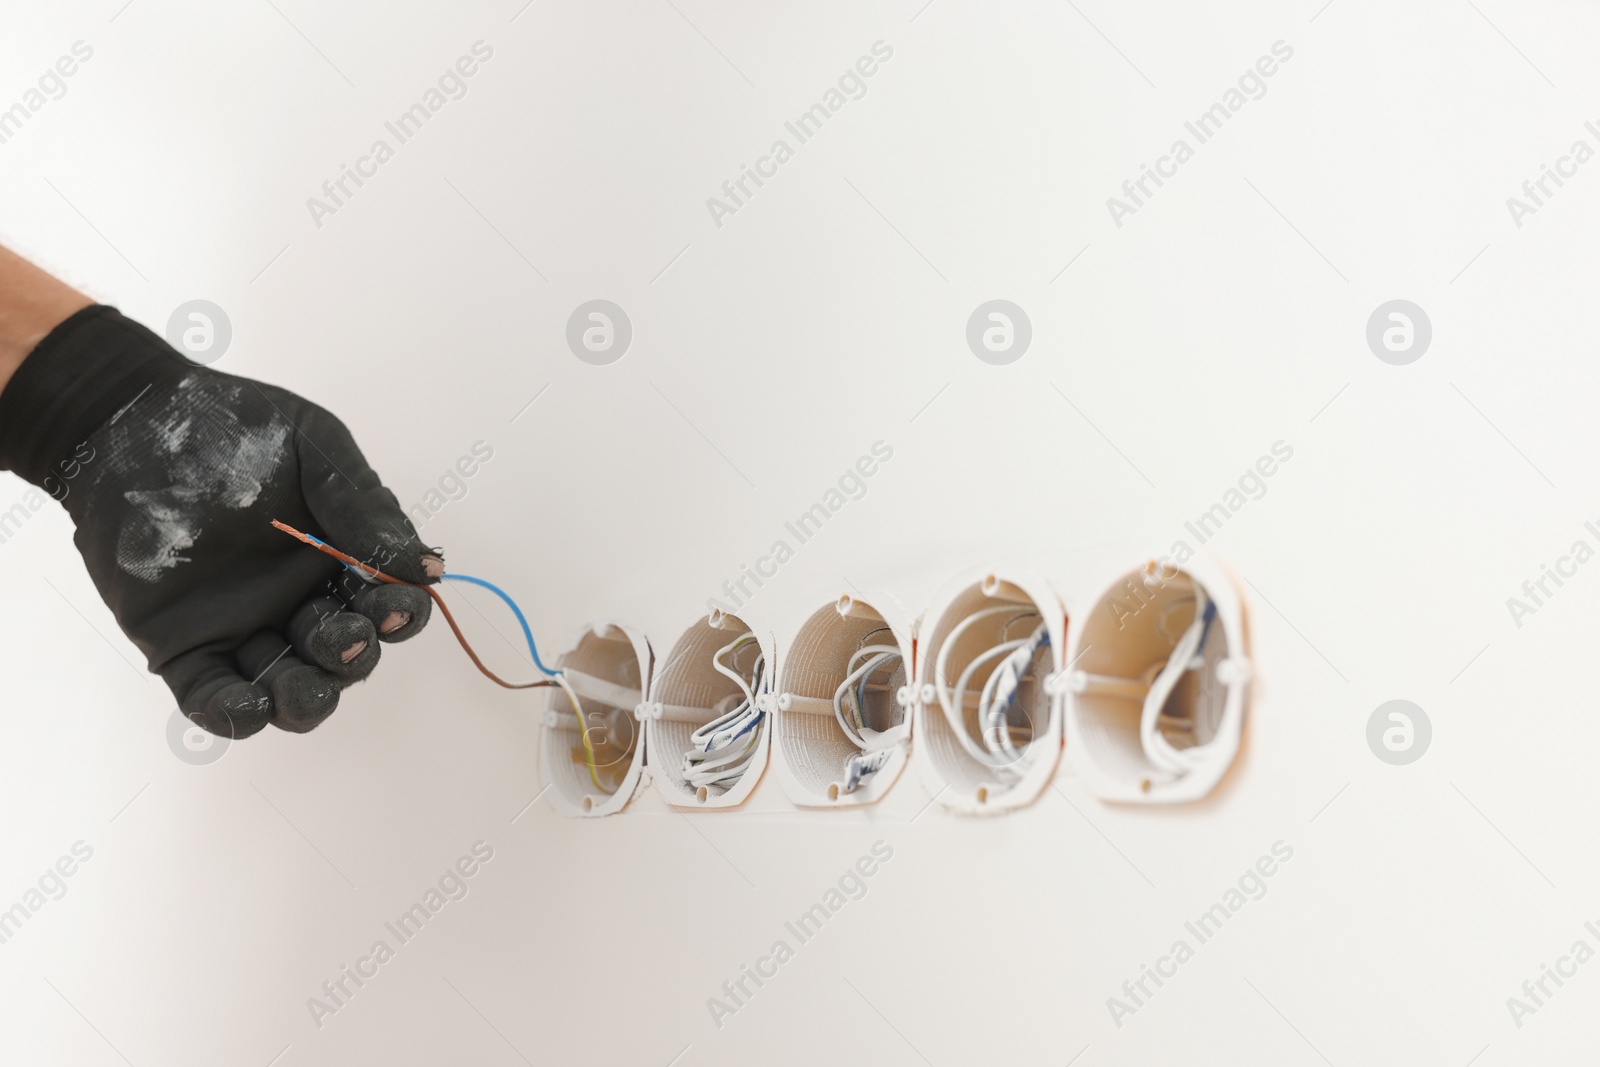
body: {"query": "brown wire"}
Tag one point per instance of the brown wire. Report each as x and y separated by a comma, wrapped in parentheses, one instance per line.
(328, 549)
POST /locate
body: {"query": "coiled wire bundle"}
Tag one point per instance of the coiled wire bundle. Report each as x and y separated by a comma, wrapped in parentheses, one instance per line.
(721, 751)
(1000, 721)
(850, 709)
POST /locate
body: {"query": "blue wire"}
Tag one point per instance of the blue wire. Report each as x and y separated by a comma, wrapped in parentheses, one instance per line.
(1044, 642)
(352, 568)
(512, 604)
(495, 589)
(1205, 630)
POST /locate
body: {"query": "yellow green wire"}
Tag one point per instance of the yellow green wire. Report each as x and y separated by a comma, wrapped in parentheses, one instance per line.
(583, 730)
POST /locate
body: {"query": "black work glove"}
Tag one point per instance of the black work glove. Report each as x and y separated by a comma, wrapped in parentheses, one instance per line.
(172, 472)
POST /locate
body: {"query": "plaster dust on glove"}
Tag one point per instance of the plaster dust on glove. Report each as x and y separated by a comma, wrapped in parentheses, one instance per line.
(208, 459)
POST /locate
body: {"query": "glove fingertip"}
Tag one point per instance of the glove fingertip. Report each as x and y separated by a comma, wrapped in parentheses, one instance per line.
(235, 709)
(398, 611)
(304, 696)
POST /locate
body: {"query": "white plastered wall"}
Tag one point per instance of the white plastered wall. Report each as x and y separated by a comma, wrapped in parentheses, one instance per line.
(770, 354)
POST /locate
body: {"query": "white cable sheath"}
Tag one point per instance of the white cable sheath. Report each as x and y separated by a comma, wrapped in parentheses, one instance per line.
(878, 747)
(952, 703)
(1160, 751)
(881, 654)
(598, 689)
(716, 759)
(1001, 689)
(1156, 744)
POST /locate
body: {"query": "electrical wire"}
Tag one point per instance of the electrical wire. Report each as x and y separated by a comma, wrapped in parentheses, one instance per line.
(512, 604)
(861, 686)
(1005, 630)
(999, 692)
(1188, 654)
(954, 705)
(991, 743)
(878, 657)
(590, 759)
(713, 759)
(371, 571)
(1166, 713)
(877, 749)
(1163, 617)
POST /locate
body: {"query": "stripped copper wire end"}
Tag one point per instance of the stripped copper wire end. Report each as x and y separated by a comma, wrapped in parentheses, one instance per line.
(444, 609)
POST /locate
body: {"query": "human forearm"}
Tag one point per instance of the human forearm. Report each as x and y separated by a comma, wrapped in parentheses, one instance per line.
(32, 303)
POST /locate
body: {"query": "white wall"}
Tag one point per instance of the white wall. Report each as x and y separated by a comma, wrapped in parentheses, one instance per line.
(1225, 315)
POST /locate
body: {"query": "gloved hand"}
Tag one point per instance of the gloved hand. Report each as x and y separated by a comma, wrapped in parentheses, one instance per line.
(172, 472)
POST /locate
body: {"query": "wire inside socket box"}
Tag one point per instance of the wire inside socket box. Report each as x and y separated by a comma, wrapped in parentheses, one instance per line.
(592, 754)
(708, 719)
(988, 719)
(843, 725)
(1156, 693)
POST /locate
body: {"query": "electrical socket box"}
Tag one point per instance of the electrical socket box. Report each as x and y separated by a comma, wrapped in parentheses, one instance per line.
(608, 668)
(687, 692)
(1149, 719)
(967, 640)
(810, 745)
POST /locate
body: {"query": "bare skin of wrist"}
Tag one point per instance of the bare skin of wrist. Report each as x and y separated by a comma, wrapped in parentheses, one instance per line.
(32, 303)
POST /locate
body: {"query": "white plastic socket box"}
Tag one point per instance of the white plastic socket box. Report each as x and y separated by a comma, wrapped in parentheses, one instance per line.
(1130, 628)
(1142, 677)
(983, 610)
(608, 667)
(687, 692)
(810, 749)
